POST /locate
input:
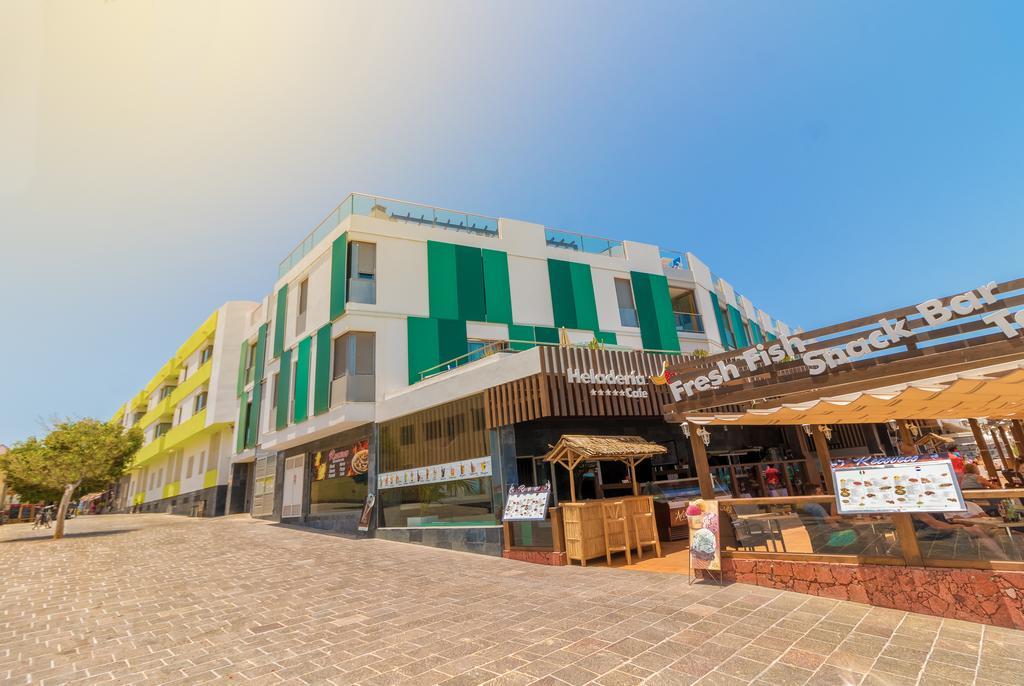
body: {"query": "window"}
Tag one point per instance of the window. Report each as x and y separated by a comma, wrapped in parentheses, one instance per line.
(273, 391)
(166, 391)
(205, 356)
(200, 403)
(362, 273)
(177, 416)
(685, 312)
(161, 429)
(627, 308)
(479, 349)
(202, 458)
(300, 314)
(250, 363)
(353, 373)
(339, 478)
(190, 466)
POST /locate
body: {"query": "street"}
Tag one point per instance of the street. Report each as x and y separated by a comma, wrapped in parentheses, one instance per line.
(162, 599)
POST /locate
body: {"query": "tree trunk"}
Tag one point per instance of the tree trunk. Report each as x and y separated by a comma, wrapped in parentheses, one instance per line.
(62, 511)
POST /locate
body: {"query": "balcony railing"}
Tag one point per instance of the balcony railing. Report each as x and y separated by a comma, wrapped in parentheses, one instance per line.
(688, 322)
(391, 210)
(569, 240)
(672, 259)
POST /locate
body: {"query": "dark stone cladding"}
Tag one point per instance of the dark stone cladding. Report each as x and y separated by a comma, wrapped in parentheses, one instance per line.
(345, 523)
(481, 540)
(181, 504)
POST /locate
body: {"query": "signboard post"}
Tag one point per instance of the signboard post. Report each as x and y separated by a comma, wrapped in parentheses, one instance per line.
(887, 485)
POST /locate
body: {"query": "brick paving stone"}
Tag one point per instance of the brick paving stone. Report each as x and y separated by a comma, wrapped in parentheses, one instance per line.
(161, 599)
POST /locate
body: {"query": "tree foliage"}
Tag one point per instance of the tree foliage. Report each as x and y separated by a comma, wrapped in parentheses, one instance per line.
(74, 455)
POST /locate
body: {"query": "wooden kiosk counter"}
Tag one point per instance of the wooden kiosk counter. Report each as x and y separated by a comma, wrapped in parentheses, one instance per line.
(596, 528)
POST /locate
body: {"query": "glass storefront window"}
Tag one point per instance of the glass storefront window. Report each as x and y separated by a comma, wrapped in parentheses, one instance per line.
(339, 479)
(466, 502)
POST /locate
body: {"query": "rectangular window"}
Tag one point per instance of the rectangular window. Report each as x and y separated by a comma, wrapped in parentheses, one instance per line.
(166, 391)
(250, 363)
(685, 312)
(200, 402)
(627, 308)
(161, 429)
(273, 392)
(362, 273)
(300, 314)
(205, 356)
(202, 459)
(352, 375)
(339, 478)
(190, 466)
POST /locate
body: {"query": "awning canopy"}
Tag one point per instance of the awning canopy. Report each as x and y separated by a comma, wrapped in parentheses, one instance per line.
(995, 392)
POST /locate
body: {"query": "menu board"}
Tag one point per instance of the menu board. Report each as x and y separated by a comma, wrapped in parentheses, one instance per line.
(439, 473)
(527, 503)
(349, 461)
(879, 485)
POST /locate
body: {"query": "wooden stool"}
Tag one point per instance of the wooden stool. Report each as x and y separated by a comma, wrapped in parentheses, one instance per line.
(614, 520)
(650, 535)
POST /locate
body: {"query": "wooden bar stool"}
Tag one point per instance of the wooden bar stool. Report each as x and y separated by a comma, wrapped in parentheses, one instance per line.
(645, 532)
(614, 520)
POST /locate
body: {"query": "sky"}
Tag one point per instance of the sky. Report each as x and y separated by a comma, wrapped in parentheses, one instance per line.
(158, 158)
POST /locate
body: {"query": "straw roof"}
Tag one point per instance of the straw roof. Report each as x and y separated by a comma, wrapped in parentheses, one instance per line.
(606, 447)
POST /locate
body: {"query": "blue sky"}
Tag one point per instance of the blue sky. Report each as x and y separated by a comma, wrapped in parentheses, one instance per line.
(829, 159)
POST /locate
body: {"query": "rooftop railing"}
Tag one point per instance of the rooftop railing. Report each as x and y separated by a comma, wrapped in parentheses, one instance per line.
(673, 259)
(570, 240)
(390, 210)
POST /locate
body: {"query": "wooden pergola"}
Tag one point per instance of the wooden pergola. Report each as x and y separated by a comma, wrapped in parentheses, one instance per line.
(571, 450)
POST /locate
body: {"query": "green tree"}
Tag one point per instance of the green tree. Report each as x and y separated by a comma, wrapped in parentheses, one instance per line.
(74, 454)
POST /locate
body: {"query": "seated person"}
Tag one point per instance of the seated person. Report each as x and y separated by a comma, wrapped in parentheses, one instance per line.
(971, 480)
(935, 527)
(827, 533)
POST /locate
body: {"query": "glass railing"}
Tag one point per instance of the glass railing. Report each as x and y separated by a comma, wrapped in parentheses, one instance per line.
(991, 530)
(688, 322)
(672, 259)
(570, 240)
(391, 210)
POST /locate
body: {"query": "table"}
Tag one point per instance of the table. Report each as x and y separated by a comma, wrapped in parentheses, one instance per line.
(993, 523)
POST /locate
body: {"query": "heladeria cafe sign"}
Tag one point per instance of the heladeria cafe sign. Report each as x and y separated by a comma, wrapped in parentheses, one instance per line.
(631, 385)
(889, 333)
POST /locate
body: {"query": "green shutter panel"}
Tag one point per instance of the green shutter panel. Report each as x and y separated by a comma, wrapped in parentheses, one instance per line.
(300, 406)
(322, 375)
(241, 368)
(243, 414)
(584, 301)
(452, 341)
(563, 304)
(497, 292)
(654, 310)
(546, 334)
(422, 345)
(606, 337)
(470, 283)
(442, 280)
(755, 331)
(339, 275)
(522, 336)
(723, 332)
(284, 384)
(771, 337)
(279, 319)
(261, 353)
(737, 327)
(253, 434)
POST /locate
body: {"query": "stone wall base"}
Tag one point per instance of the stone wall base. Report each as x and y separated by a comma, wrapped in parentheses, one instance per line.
(540, 557)
(976, 595)
(483, 540)
(215, 498)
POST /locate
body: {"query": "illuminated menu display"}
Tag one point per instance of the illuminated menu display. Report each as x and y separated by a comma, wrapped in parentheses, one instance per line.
(880, 485)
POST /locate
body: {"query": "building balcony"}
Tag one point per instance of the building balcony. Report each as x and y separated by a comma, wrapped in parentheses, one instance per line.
(149, 451)
(186, 430)
(200, 377)
(164, 408)
(688, 322)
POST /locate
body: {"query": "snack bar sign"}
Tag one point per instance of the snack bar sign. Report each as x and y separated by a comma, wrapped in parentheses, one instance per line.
(888, 485)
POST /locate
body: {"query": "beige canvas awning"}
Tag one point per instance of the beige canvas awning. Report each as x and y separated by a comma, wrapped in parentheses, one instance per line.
(995, 392)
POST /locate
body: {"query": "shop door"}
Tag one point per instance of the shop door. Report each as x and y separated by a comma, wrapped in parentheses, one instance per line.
(291, 504)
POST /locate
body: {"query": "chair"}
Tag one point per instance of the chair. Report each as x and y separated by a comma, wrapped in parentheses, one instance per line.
(750, 535)
(614, 521)
(645, 521)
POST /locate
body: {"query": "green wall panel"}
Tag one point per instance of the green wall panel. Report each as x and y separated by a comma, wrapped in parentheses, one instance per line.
(241, 368)
(252, 435)
(584, 301)
(563, 304)
(279, 320)
(723, 332)
(654, 309)
(606, 337)
(546, 334)
(433, 341)
(300, 406)
(452, 341)
(771, 337)
(284, 383)
(469, 272)
(755, 331)
(736, 319)
(243, 413)
(497, 292)
(261, 353)
(322, 373)
(442, 280)
(339, 275)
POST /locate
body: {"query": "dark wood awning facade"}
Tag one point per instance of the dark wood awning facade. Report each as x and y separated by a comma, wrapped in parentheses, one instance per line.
(558, 391)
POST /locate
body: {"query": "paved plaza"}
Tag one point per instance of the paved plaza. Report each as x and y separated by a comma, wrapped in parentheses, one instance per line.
(163, 599)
